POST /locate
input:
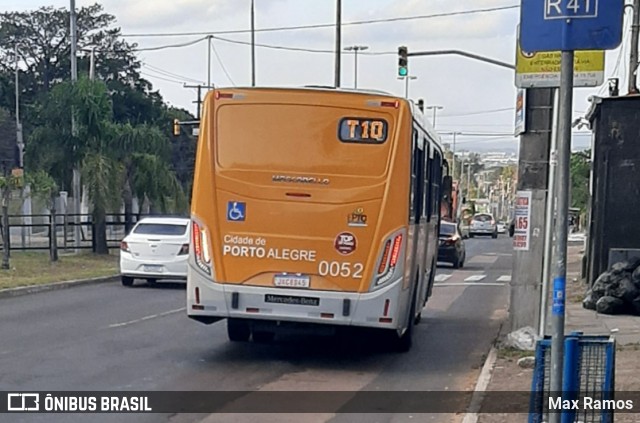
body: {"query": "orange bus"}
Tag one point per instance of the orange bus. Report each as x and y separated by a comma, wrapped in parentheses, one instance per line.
(313, 206)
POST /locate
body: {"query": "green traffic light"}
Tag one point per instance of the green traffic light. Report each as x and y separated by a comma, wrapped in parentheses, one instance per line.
(402, 71)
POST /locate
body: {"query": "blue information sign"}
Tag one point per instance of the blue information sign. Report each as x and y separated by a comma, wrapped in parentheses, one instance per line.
(552, 25)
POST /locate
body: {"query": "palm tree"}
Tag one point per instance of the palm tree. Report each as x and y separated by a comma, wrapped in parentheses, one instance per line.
(143, 153)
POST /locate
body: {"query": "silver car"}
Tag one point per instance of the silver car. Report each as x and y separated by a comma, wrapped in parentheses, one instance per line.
(483, 224)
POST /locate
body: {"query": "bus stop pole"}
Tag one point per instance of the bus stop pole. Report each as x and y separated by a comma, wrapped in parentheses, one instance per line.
(560, 276)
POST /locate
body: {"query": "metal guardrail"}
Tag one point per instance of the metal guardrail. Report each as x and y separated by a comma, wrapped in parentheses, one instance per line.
(37, 234)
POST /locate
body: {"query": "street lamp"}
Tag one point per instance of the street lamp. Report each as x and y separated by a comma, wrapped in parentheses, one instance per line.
(406, 83)
(435, 109)
(355, 50)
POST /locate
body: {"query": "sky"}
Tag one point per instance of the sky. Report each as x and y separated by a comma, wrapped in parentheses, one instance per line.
(476, 97)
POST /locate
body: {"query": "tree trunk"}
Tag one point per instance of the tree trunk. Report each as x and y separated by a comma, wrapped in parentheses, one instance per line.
(5, 230)
(100, 231)
(53, 252)
(127, 197)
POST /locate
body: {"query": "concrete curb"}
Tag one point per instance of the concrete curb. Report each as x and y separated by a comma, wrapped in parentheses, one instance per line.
(481, 387)
(33, 289)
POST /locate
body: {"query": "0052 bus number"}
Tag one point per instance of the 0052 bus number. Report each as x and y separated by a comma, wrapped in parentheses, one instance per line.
(343, 269)
(522, 223)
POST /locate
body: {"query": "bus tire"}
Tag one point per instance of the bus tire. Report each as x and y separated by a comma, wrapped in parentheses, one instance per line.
(127, 280)
(263, 336)
(403, 343)
(238, 330)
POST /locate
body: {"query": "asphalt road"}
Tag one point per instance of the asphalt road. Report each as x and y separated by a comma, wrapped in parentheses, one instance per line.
(111, 338)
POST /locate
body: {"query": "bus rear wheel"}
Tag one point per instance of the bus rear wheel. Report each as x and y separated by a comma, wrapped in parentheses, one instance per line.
(263, 337)
(238, 330)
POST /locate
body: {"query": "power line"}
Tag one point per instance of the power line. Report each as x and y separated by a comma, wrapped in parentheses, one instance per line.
(170, 74)
(328, 25)
(482, 112)
(186, 44)
(163, 78)
(224, 69)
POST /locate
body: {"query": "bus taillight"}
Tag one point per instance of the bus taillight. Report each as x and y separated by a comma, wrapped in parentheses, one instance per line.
(201, 247)
(397, 242)
(389, 260)
(385, 257)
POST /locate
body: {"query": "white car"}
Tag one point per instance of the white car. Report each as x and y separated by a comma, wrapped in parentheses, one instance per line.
(502, 228)
(156, 248)
(483, 224)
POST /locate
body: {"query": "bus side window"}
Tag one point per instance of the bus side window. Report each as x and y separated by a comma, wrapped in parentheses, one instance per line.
(427, 183)
(436, 182)
(420, 182)
(417, 182)
(414, 185)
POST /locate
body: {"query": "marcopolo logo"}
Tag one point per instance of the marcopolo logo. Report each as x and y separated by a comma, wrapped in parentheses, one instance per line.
(23, 402)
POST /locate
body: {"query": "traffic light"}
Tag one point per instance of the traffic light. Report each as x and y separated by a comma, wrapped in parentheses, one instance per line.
(403, 62)
(176, 127)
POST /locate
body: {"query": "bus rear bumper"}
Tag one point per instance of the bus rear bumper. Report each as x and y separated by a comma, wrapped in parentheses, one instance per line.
(212, 301)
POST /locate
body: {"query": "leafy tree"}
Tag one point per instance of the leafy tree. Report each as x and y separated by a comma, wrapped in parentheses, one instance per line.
(580, 168)
(44, 48)
(143, 153)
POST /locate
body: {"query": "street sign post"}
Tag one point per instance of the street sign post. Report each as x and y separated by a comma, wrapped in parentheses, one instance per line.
(566, 25)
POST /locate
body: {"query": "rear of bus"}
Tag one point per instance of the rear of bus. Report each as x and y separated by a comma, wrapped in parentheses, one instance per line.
(300, 209)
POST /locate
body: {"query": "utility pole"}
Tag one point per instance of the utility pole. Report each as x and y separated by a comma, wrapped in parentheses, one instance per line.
(198, 101)
(469, 178)
(26, 202)
(549, 213)
(338, 41)
(532, 177)
(355, 50)
(406, 84)
(253, 46)
(209, 60)
(453, 163)
(76, 171)
(92, 64)
(633, 60)
(19, 139)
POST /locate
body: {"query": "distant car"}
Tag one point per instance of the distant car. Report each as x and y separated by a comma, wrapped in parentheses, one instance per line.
(156, 248)
(483, 224)
(451, 246)
(502, 227)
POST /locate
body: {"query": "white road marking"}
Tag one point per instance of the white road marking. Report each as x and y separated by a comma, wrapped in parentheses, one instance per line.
(504, 278)
(441, 278)
(469, 284)
(475, 278)
(152, 316)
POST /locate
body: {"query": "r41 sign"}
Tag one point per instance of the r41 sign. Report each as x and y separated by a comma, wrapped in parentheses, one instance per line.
(567, 25)
(567, 9)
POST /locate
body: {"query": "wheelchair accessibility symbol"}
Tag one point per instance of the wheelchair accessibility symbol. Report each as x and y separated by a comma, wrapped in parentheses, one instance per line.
(236, 211)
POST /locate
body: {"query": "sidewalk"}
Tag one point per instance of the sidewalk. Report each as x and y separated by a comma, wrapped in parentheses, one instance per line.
(507, 376)
(625, 328)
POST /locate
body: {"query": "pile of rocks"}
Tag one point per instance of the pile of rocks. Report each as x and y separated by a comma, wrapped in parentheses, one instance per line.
(616, 291)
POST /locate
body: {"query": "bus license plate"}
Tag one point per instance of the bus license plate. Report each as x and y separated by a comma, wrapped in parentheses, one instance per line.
(291, 281)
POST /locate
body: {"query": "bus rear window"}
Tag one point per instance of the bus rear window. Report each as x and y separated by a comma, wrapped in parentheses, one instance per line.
(300, 138)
